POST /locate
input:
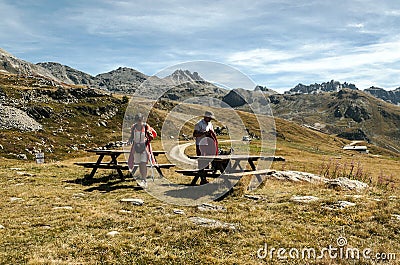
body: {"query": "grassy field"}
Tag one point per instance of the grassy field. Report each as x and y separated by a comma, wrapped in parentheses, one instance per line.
(50, 215)
(38, 230)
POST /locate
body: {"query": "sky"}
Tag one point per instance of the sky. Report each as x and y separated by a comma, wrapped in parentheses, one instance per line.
(277, 43)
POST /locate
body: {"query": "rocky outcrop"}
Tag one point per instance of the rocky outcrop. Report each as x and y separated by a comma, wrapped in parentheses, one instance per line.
(13, 65)
(182, 76)
(123, 79)
(332, 86)
(338, 183)
(13, 118)
(68, 75)
(239, 97)
(392, 96)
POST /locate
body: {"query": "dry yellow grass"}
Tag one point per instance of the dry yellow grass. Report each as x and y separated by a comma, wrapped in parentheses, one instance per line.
(36, 233)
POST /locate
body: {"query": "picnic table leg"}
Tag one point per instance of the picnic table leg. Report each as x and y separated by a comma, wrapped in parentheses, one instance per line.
(115, 162)
(196, 177)
(95, 168)
(200, 174)
(159, 170)
(251, 163)
(253, 167)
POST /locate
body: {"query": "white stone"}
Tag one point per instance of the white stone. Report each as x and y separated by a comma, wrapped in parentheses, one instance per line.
(253, 197)
(133, 201)
(345, 183)
(178, 211)
(305, 199)
(79, 195)
(113, 233)
(211, 223)
(210, 207)
(124, 211)
(344, 204)
(2, 227)
(340, 205)
(396, 216)
(16, 199)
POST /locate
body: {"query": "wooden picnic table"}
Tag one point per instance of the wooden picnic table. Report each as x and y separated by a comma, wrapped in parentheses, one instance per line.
(228, 165)
(114, 164)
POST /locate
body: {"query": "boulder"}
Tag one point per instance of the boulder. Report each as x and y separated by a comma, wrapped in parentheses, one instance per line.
(211, 223)
(305, 199)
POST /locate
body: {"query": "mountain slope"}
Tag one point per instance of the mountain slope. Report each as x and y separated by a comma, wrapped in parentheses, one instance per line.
(392, 96)
(68, 74)
(11, 64)
(351, 113)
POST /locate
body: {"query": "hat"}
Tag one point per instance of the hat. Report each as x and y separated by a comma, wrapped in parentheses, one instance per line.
(209, 114)
(138, 117)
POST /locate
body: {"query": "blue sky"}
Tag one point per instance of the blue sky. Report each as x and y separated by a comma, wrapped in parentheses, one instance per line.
(276, 43)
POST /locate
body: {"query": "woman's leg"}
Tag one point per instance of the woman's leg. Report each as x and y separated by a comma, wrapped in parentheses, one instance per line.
(143, 169)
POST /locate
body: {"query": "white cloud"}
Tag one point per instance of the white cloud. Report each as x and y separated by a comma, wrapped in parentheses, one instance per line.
(356, 25)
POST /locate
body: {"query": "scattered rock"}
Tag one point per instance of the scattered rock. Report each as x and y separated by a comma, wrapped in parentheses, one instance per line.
(339, 205)
(22, 156)
(79, 195)
(253, 197)
(113, 233)
(2, 227)
(305, 199)
(295, 176)
(13, 118)
(1, 147)
(211, 223)
(15, 168)
(345, 183)
(62, 208)
(133, 201)
(23, 173)
(210, 207)
(125, 211)
(16, 199)
(396, 216)
(178, 211)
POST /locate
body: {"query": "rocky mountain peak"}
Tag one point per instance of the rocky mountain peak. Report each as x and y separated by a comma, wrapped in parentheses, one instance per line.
(68, 74)
(392, 96)
(331, 86)
(12, 64)
(265, 90)
(182, 76)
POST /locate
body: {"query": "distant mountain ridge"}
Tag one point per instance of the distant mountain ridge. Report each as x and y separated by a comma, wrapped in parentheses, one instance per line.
(127, 80)
(392, 96)
(332, 86)
(12, 64)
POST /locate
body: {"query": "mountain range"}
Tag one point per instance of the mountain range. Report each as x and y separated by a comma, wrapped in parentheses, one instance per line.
(331, 107)
(127, 80)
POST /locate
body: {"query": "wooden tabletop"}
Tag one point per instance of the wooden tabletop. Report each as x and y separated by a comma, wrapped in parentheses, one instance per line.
(231, 157)
(113, 151)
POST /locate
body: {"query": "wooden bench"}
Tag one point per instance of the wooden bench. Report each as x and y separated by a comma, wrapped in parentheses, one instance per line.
(121, 166)
(193, 172)
(246, 173)
(196, 173)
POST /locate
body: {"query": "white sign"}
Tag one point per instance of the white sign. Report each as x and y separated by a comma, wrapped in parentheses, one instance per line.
(39, 158)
